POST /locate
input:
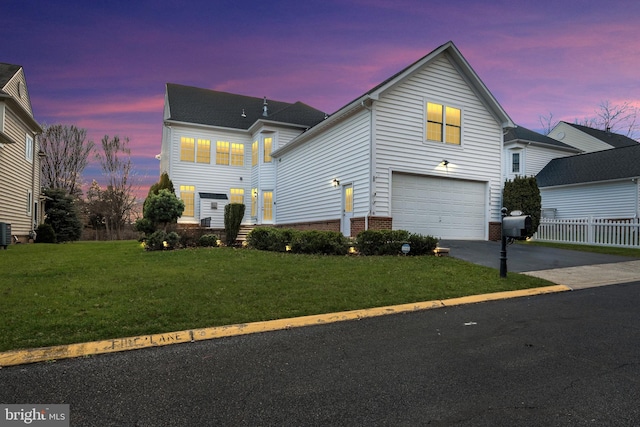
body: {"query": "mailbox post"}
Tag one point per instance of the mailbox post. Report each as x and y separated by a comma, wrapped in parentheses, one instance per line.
(516, 226)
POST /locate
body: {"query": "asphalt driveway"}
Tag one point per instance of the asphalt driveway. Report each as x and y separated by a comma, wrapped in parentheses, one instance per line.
(575, 269)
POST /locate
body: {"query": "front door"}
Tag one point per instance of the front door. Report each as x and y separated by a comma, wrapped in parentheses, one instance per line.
(347, 209)
(267, 207)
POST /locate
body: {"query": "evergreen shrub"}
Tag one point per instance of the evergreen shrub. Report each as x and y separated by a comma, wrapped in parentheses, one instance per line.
(320, 242)
(208, 241)
(45, 234)
(389, 242)
(233, 214)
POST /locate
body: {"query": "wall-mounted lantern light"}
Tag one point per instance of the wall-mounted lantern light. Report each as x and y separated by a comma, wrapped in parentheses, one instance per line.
(335, 182)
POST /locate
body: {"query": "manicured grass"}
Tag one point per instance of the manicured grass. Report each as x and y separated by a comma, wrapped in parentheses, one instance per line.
(630, 252)
(85, 291)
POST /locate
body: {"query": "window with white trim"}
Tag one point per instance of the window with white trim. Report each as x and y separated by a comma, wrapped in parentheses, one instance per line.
(237, 195)
(187, 194)
(444, 124)
(515, 162)
(28, 149)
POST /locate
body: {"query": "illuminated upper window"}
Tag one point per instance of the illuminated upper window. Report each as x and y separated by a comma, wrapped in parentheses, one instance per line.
(203, 151)
(237, 154)
(444, 124)
(187, 149)
(254, 153)
(222, 153)
(268, 142)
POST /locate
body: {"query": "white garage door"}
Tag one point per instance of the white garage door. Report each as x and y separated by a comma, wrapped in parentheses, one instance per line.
(439, 207)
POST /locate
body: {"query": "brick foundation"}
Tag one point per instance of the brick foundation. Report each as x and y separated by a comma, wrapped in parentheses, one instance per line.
(495, 233)
(329, 225)
(380, 223)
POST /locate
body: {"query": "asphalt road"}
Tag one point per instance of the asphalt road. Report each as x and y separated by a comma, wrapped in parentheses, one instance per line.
(567, 359)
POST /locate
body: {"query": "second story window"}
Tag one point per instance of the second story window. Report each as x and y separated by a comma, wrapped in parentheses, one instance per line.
(187, 149)
(222, 153)
(444, 124)
(268, 142)
(515, 162)
(237, 154)
(254, 153)
(203, 153)
(29, 149)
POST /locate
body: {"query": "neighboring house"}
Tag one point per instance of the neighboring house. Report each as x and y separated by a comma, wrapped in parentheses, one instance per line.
(588, 139)
(527, 152)
(598, 184)
(20, 201)
(422, 151)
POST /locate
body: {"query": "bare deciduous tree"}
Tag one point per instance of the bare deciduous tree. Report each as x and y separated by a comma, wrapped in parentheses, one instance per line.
(547, 122)
(115, 160)
(618, 118)
(66, 152)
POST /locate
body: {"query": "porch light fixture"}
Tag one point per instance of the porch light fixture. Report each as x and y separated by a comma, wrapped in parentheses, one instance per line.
(445, 162)
(335, 182)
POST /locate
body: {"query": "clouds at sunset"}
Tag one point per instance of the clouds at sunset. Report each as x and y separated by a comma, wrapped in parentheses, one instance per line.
(104, 65)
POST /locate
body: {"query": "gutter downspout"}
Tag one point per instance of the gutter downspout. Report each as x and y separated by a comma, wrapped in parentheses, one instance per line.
(371, 162)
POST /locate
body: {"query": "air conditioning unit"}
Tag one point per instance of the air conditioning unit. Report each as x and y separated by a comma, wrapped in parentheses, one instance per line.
(5, 234)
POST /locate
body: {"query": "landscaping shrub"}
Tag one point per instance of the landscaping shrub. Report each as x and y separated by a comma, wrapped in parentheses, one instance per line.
(389, 242)
(270, 238)
(208, 240)
(320, 242)
(381, 242)
(422, 245)
(45, 234)
(523, 194)
(233, 214)
(161, 240)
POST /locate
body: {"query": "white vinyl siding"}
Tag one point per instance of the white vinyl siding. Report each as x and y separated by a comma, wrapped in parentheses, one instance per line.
(569, 135)
(538, 157)
(617, 199)
(207, 178)
(304, 190)
(400, 115)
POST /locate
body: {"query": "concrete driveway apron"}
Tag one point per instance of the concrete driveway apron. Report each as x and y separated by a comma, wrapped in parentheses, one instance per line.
(571, 268)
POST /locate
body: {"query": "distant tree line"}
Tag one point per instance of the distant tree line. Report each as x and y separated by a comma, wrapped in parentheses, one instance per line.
(66, 153)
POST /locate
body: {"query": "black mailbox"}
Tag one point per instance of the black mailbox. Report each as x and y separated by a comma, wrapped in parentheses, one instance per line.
(517, 226)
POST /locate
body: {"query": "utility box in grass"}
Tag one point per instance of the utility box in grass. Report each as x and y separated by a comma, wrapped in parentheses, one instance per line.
(5, 234)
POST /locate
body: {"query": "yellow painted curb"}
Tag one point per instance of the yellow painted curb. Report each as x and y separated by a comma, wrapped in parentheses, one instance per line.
(21, 357)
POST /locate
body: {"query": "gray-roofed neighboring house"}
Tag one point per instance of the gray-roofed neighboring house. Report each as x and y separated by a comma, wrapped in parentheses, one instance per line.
(21, 204)
(600, 184)
(589, 139)
(527, 152)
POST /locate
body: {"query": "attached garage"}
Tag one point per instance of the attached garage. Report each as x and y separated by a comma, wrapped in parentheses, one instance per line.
(441, 207)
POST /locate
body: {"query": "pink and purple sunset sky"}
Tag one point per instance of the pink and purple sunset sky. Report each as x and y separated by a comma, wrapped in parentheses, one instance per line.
(103, 64)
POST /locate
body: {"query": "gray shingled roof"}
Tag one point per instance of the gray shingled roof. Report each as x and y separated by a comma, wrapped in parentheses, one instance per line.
(6, 72)
(209, 107)
(614, 139)
(616, 163)
(523, 134)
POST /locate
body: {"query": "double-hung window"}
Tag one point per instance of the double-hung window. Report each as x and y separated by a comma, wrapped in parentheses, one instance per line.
(187, 194)
(515, 162)
(192, 152)
(29, 149)
(268, 145)
(444, 124)
(254, 153)
(237, 195)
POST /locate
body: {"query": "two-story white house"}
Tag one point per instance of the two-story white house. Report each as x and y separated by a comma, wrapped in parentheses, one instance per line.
(20, 201)
(422, 151)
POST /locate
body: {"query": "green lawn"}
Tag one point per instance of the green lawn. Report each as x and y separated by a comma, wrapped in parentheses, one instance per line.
(85, 291)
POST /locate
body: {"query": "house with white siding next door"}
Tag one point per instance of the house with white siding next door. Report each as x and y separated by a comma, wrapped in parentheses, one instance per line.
(422, 151)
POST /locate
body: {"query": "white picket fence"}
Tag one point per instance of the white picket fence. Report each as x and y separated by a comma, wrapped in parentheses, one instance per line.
(590, 231)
